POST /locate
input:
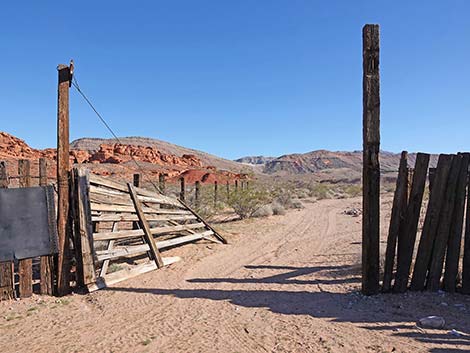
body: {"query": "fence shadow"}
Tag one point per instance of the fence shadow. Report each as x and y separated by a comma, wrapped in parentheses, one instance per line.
(317, 303)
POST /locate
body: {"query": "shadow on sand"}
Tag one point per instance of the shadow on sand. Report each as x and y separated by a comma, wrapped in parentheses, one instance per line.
(318, 304)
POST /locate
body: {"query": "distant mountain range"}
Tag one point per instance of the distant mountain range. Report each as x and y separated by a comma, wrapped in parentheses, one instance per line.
(316, 161)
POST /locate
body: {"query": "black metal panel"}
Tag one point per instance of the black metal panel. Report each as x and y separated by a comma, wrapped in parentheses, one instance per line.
(27, 223)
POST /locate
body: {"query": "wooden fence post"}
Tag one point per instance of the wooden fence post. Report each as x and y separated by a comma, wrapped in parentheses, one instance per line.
(63, 172)
(236, 185)
(455, 235)
(215, 193)
(371, 167)
(197, 193)
(466, 251)
(431, 223)
(136, 180)
(46, 265)
(25, 266)
(83, 228)
(182, 189)
(7, 284)
(228, 189)
(400, 202)
(407, 235)
(161, 182)
(443, 231)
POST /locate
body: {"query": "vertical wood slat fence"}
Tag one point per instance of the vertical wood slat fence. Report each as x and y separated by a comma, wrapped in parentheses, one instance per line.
(24, 270)
(437, 259)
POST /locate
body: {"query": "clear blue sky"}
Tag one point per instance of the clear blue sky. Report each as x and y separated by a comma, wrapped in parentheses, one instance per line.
(242, 77)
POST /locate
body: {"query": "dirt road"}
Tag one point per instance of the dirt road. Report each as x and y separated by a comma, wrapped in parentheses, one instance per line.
(283, 284)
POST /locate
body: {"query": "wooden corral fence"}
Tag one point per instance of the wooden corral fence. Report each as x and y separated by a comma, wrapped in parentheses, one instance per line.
(128, 227)
(437, 258)
(21, 278)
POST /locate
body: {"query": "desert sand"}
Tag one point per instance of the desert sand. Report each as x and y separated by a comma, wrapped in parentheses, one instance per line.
(284, 284)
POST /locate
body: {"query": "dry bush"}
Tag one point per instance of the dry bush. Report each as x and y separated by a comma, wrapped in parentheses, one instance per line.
(278, 209)
(247, 201)
(263, 211)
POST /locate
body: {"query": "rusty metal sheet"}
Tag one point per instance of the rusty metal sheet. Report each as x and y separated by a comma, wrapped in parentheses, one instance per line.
(27, 223)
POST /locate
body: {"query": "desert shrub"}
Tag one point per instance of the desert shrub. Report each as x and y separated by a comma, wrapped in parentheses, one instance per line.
(245, 202)
(302, 193)
(297, 204)
(263, 211)
(353, 190)
(320, 191)
(278, 209)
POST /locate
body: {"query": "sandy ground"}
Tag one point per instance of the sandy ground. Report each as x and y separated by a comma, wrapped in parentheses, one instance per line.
(283, 284)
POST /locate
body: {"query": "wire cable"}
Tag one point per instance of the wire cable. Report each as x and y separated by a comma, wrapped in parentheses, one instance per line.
(103, 121)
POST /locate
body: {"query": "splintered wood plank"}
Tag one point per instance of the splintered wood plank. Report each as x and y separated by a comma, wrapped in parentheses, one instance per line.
(208, 226)
(133, 250)
(431, 223)
(99, 207)
(7, 284)
(407, 235)
(400, 202)
(455, 236)
(370, 160)
(132, 217)
(84, 226)
(443, 231)
(139, 232)
(122, 275)
(145, 227)
(25, 266)
(104, 267)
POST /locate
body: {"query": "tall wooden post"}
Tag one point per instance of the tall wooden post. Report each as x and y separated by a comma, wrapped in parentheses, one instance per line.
(161, 182)
(25, 266)
(228, 189)
(197, 194)
(46, 265)
(7, 287)
(182, 187)
(63, 171)
(215, 193)
(371, 167)
(236, 185)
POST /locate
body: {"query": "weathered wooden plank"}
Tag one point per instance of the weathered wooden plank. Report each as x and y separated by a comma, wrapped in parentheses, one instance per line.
(455, 235)
(371, 167)
(443, 231)
(124, 234)
(400, 202)
(466, 249)
(407, 235)
(145, 227)
(200, 219)
(25, 267)
(431, 223)
(134, 250)
(111, 196)
(7, 287)
(84, 227)
(432, 177)
(122, 275)
(98, 180)
(99, 207)
(46, 262)
(105, 265)
(132, 217)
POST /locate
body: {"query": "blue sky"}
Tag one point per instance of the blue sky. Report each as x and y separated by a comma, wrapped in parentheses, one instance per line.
(239, 78)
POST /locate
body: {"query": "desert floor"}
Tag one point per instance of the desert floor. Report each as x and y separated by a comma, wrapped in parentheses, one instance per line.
(283, 284)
